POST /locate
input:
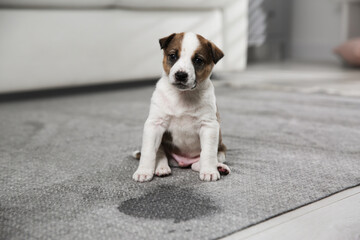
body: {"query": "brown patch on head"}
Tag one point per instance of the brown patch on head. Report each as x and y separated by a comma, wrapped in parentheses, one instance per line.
(205, 57)
(172, 50)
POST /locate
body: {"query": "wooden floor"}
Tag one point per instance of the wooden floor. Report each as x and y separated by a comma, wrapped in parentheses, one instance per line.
(334, 218)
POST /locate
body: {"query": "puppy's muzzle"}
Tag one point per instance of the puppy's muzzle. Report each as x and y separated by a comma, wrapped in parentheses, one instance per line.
(181, 80)
(181, 77)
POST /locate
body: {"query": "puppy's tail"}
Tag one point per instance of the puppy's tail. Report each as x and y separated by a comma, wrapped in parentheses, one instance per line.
(136, 154)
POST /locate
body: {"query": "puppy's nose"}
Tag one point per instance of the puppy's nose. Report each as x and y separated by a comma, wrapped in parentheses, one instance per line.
(181, 76)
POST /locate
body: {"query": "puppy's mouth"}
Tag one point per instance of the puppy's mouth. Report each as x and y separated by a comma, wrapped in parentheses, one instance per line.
(182, 86)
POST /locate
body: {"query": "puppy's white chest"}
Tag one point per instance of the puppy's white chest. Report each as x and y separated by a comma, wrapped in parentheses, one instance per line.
(185, 134)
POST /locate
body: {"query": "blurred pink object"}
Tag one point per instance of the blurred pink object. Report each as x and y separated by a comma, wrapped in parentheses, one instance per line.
(350, 51)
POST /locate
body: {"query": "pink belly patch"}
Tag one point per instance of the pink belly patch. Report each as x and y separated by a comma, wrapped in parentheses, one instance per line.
(185, 161)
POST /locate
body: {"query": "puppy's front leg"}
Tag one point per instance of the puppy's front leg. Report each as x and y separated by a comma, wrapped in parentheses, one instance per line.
(209, 140)
(153, 132)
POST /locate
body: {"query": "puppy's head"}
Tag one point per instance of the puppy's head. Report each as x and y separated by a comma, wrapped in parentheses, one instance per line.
(188, 59)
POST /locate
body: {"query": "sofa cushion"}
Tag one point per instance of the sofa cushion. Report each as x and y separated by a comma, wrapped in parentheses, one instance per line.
(132, 4)
(173, 4)
(57, 3)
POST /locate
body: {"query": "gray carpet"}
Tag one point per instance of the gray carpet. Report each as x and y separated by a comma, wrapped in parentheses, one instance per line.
(65, 169)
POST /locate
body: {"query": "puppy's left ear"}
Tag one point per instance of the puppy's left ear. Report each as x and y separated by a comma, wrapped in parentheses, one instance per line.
(164, 42)
(216, 53)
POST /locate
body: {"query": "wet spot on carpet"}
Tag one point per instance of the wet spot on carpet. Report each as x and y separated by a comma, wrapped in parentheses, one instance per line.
(169, 202)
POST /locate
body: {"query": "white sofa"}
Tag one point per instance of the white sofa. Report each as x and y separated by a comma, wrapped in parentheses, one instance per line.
(62, 43)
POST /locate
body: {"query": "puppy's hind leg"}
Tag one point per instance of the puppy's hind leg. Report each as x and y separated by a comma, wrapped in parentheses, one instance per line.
(162, 165)
(221, 157)
(136, 154)
(222, 168)
(195, 167)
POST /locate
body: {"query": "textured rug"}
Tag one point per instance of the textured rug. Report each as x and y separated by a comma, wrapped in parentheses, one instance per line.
(65, 165)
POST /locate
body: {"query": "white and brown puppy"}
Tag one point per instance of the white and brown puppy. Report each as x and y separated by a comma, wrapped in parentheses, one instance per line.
(183, 122)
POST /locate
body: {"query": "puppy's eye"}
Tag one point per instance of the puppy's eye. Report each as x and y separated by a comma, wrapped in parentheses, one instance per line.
(172, 57)
(198, 61)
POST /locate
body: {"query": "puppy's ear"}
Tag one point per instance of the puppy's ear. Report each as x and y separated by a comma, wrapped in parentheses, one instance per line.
(216, 53)
(164, 42)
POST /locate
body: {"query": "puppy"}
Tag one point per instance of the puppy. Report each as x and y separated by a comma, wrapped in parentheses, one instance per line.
(183, 122)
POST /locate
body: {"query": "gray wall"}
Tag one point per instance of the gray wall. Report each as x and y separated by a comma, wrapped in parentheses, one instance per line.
(315, 30)
(277, 29)
(300, 30)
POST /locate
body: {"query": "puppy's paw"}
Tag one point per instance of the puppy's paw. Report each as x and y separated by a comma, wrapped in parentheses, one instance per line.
(143, 175)
(209, 174)
(162, 170)
(223, 169)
